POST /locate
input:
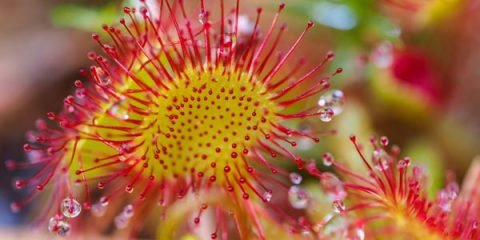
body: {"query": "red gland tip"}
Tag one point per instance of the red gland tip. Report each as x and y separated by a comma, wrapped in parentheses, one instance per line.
(127, 10)
(259, 10)
(78, 84)
(15, 207)
(281, 6)
(27, 147)
(310, 24)
(95, 36)
(353, 138)
(144, 11)
(19, 184)
(330, 55)
(384, 141)
(51, 115)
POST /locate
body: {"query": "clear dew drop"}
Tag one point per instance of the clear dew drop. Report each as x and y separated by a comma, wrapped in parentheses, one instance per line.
(296, 178)
(382, 165)
(99, 208)
(382, 56)
(334, 100)
(297, 197)
(245, 25)
(326, 114)
(128, 211)
(337, 95)
(332, 186)
(403, 163)
(59, 226)
(305, 143)
(327, 159)
(337, 101)
(122, 220)
(358, 234)
(447, 196)
(338, 206)
(101, 92)
(102, 78)
(120, 110)
(70, 207)
(202, 18)
(376, 154)
(267, 196)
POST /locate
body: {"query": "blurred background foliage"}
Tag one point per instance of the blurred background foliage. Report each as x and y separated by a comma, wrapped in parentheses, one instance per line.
(411, 72)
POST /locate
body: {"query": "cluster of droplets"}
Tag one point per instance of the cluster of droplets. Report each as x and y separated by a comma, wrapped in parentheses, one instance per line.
(447, 196)
(59, 224)
(297, 196)
(331, 104)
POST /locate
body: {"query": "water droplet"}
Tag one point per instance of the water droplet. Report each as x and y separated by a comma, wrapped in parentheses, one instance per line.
(59, 226)
(128, 211)
(337, 102)
(120, 110)
(326, 114)
(267, 196)
(102, 78)
(382, 165)
(101, 92)
(245, 25)
(70, 207)
(121, 222)
(338, 206)
(446, 197)
(327, 159)
(337, 95)
(202, 17)
(295, 178)
(99, 208)
(305, 144)
(297, 197)
(403, 163)
(358, 234)
(323, 101)
(377, 153)
(382, 56)
(333, 100)
(332, 186)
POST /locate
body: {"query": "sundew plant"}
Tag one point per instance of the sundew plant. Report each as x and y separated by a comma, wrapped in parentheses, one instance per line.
(214, 119)
(183, 101)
